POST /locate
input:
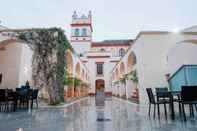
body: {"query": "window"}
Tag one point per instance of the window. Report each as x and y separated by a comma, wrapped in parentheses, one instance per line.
(76, 32)
(122, 52)
(102, 50)
(99, 67)
(84, 32)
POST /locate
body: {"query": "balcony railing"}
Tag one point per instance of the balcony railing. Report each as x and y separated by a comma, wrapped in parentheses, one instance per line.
(185, 75)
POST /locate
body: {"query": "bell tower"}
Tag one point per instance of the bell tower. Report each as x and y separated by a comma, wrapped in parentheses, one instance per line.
(81, 33)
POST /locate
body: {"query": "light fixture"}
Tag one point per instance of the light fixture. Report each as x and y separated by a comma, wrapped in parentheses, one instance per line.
(175, 30)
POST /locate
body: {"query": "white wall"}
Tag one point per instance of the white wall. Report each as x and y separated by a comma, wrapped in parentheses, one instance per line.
(151, 52)
(25, 65)
(15, 65)
(10, 64)
(107, 67)
(182, 54)
(81, 47)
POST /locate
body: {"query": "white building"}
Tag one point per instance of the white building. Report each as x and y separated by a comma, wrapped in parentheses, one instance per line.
(99, 57)
(154, 54)
(16, 63)
(158, 54)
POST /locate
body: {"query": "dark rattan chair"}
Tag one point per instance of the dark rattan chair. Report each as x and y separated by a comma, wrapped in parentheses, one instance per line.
(2, 99)
(153, 101)
(188, 97)
(34, 97)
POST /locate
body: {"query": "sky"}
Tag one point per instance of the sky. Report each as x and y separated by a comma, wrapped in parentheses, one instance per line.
(112, 19)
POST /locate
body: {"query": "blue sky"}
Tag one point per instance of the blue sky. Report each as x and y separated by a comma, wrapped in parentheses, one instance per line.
(112, 19)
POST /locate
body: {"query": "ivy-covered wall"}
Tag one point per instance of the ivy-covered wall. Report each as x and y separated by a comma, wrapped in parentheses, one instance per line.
(48, 62)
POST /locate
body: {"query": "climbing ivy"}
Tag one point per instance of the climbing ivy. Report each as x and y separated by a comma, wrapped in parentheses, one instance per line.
(48, 62)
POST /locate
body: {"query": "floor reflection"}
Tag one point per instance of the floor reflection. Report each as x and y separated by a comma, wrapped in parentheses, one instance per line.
(88, 115)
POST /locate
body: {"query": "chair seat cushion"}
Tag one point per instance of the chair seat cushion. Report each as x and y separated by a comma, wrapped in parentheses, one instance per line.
(162, 101)
(189, 102)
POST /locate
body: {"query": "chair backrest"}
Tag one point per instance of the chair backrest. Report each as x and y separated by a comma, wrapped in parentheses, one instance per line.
(11, 95)
(161, 92)
(25, 87)
(35, 94)
(189, 93)
(24, 92)
(150, 95)
(18, 89)
(2, 95)
(161, 89)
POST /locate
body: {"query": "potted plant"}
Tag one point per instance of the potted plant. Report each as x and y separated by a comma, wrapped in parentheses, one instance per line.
(123, 80)
(134, 77)
(68, 85)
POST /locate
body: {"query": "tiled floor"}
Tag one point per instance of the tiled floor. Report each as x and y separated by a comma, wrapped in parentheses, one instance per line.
(116, 115)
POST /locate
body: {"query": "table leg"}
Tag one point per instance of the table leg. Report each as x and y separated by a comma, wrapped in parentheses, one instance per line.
(31, 103)
(172, 107)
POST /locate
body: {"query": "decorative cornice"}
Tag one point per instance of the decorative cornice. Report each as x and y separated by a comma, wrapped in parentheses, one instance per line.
(108, 45)
(98, 56)
(80, 41)
(82, 36)
(115, 61)
(82, 24)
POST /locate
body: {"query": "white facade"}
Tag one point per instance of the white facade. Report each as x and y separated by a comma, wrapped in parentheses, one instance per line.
(159, 54)
(154, 54)
(182, 54)
(15, 63)
(81, 33)
(91, 53)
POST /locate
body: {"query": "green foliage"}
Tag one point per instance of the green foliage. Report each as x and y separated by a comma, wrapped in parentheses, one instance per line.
(77, 82)
(72, 81)
(130, 76)
(133, 75)
(116, 82)
(123, 80)
(84, 84)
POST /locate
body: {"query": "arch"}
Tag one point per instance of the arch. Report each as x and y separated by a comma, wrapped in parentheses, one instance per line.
(122, 69)
(131, 61)
(77, 70)
(6, 42)
(116, 74)
(86, 76)
(100, 85)
(113, 76)
(69, 62)
(83, 74)
(102, 50)
(122, 52)
(192, 41)
(76, 32)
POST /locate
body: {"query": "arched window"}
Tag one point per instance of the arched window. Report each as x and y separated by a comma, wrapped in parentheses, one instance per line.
(102, 50)
(76, 32)
(122, 52)
(84, 32)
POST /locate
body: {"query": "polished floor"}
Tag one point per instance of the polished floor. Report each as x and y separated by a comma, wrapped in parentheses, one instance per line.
(114, 115)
